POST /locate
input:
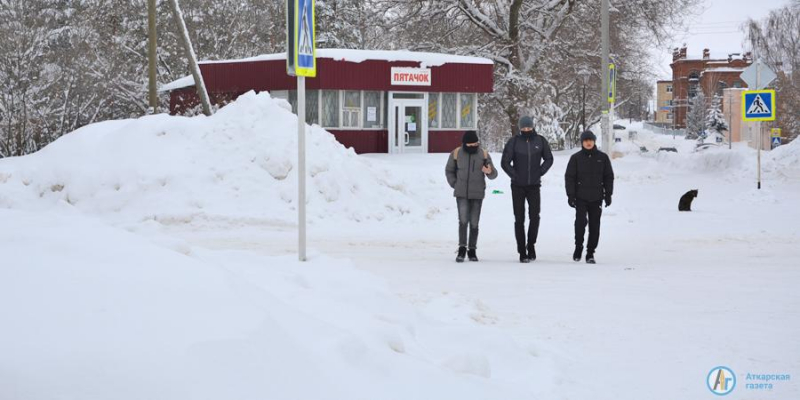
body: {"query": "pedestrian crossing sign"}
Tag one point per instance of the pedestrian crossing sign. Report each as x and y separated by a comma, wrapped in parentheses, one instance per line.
(301, 34)
(758, 105)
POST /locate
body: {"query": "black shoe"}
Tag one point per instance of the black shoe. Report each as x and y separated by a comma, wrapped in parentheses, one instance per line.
(523, 258)
(471, 255)
(462, 252)
(532, 253)
(590, 257)
(576, 256)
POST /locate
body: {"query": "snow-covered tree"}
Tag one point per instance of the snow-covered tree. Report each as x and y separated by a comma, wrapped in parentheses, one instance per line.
(696, 117)
(547, 119)
(715, 120)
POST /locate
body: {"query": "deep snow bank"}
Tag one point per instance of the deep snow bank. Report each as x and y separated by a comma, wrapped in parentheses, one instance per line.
(94, 312)
(239, 164)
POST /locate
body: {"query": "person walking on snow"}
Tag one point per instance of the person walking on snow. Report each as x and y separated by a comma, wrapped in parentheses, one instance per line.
(526, 159)
(466, 171)
(589, 181)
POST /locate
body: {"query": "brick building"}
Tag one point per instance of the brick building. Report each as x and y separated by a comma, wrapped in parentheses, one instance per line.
(712, 76)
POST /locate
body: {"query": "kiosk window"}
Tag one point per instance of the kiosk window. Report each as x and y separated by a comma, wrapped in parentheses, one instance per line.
(433, 110)
(351, 112)
(312, 105)
(372, 110)
(449, 110)
(467, 113)
(330, 108)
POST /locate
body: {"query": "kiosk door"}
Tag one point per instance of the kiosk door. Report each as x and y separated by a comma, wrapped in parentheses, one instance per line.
(408, 127)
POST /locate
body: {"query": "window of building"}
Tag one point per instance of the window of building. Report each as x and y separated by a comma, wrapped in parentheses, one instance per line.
(468, 111)
(312, 104)
(669, 88)
(312, 107)
(330, 108)
(373, 110)
(280, 94)
(433, 110)
(669, 115)
(351, 108)
(449, 110)
(737, 84)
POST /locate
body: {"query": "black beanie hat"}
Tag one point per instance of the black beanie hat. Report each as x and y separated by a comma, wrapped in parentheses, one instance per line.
(470, 137)
(525, 122)
(588, 135)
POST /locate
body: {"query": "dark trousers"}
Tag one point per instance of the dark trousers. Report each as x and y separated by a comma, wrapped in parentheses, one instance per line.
(469, 215)
(592, 209)
(531, 195)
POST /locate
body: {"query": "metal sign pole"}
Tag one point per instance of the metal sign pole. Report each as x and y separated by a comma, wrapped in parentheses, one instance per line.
(301, 166)
(758, 124)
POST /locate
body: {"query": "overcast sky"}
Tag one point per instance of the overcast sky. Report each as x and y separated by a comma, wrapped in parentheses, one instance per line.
(717, 27)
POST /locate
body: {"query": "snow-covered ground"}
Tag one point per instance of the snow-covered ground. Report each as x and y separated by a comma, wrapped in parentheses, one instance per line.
(154, 258)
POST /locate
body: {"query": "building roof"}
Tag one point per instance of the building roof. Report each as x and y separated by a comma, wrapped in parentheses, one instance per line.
(348, 55)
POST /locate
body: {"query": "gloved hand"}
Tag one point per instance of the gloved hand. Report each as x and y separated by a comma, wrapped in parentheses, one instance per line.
(571, 202)
(608, 200)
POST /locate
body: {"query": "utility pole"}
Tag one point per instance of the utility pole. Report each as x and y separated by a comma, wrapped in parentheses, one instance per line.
(183, 34)
(606, 118)
(152, 43)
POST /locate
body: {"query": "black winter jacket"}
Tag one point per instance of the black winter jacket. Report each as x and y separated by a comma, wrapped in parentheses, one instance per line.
(589, 175)
(523, 156)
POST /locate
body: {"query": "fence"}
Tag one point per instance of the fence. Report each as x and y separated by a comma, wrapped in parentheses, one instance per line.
(664, 130)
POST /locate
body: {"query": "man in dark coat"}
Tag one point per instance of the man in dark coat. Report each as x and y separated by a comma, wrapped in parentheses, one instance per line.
(589, 181)
(467, 169)
(526, 159)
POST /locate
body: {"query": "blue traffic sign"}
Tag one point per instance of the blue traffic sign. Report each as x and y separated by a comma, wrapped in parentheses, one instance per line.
(301, 38)
(758, 105)
(776, 141)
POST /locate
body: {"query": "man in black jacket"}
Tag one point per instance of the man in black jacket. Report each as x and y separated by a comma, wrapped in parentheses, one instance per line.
(526, 158)
(589, 180)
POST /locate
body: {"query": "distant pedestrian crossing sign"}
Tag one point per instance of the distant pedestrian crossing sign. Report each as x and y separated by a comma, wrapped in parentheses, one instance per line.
(612, 83)
(758, 105)
(301, 33)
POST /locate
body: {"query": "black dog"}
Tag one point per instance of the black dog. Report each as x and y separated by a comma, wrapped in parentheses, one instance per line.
(686, 201)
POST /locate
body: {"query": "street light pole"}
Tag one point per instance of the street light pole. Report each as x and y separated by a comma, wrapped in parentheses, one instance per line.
(606, 118)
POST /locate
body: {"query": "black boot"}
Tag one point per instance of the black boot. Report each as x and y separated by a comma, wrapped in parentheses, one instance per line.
(532, 253)
(576, 256)
(590, 257)
(523, 258)
(462, 252)
(471, 254)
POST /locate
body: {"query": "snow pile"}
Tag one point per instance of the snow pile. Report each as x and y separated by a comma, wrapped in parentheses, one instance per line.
(712, 159)
(93, 312)
(240, 164)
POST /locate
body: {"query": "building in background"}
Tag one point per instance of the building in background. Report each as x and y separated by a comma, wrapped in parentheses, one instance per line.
(371, 101)
(664, 103)
(711, 76)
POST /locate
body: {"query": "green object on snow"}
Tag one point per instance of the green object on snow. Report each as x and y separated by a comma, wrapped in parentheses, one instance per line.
(497, 192)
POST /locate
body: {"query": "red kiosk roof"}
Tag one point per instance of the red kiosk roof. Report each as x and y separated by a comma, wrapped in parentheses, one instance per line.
(340, 69)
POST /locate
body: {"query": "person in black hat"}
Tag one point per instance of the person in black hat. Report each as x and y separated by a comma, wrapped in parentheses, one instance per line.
(589, 181)
(526, 159)
(466, 171)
